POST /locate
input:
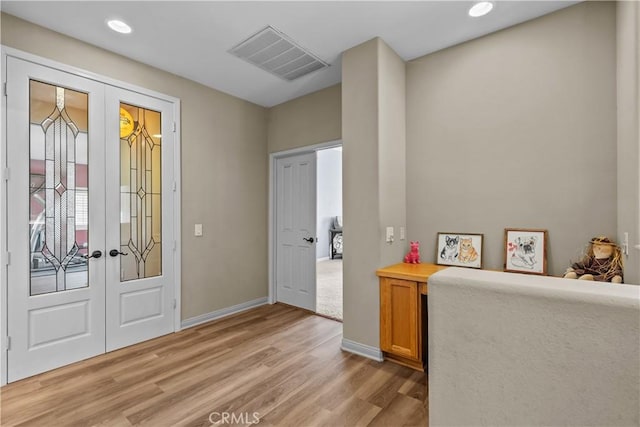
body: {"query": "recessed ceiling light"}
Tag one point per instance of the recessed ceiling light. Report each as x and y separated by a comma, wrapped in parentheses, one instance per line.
(481, 8)
(119, 26)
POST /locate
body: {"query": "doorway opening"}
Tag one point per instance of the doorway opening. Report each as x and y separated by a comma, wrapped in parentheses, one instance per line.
(305, 231)
(329, 249)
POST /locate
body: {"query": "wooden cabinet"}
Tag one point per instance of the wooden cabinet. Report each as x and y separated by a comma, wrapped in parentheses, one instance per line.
(403, 316)
(399, 328)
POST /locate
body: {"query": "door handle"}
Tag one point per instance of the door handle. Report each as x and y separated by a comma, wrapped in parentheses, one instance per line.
(308, 239)
(115, 252)
(94, 254)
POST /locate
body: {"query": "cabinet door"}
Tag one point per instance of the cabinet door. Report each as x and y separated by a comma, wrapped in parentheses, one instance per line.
(399, 317)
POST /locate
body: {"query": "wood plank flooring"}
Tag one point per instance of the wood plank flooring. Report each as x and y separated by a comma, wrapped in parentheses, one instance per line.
(281, 364)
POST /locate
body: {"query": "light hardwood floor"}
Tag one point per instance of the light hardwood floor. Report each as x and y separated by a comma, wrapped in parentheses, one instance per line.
(281, 363)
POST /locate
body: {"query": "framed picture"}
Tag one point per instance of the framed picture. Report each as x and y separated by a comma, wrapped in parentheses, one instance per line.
(460, 250)
(525, 251)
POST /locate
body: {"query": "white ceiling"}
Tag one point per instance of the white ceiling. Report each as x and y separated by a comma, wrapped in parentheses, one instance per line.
(191, 38)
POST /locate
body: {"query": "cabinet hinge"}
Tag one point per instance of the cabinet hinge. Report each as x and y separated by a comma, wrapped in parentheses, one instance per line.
(5, 174)
(7, 345)
(7, 258)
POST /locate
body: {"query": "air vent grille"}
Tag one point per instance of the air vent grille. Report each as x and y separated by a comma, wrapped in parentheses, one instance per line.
(276, 53)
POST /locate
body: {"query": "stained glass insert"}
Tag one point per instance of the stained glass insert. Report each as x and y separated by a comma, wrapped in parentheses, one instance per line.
(58, 188)
(140, 193)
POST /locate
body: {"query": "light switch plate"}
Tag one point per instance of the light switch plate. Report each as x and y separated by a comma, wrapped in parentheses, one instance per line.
(389, 234)
(197, 230)
(625, 244)
(402, 237)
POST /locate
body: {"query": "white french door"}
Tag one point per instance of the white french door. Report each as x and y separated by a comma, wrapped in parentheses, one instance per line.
(139, 229)
(55, 154)
(295, 187)
(89, 218)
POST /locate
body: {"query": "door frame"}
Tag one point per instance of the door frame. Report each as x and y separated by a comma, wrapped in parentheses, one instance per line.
(273, 158)
(5, 256)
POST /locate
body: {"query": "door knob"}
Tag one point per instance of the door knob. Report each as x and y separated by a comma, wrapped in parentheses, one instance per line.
(308, 239)
(115, 252)
(94, 254)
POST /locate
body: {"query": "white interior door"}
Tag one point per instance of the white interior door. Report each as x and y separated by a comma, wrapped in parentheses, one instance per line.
(296, 230)
(140, 235)
(55, 218)
(89, 218)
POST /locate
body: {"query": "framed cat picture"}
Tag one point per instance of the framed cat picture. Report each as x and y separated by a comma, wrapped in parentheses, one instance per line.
(525, 251)
(459, 249)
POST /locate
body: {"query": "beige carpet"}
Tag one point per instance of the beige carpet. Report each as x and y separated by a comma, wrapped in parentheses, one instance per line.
(329, 288)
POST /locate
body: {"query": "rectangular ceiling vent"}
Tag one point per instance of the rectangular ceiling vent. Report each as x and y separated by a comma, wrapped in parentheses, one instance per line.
(276, 53)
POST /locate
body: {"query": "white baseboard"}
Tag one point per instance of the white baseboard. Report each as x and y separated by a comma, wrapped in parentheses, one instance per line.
(223, 312)
(363, 350)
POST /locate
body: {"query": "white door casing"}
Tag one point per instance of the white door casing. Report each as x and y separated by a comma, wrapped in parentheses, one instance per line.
(295, 210)
(49, 330)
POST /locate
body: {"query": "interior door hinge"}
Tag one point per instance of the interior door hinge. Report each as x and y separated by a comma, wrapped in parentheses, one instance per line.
(4, 89)
(7, 345)
(5, 174)
(175, 245)
(175, 303)
(175, 186)
(174, 126)
(7, 258)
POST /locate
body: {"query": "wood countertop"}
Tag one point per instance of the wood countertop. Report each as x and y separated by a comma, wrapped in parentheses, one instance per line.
(415, 272)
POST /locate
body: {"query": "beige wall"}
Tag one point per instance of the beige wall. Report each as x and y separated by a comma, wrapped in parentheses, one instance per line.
(628, 43)
(482, 118)
(373, 127)
(391, 151)
(361, 226)
(224, 149)
(308, 120)
(517, 129)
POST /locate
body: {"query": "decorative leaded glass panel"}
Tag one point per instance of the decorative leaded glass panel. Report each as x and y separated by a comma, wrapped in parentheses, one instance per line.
(140, 193)
(58, 188)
